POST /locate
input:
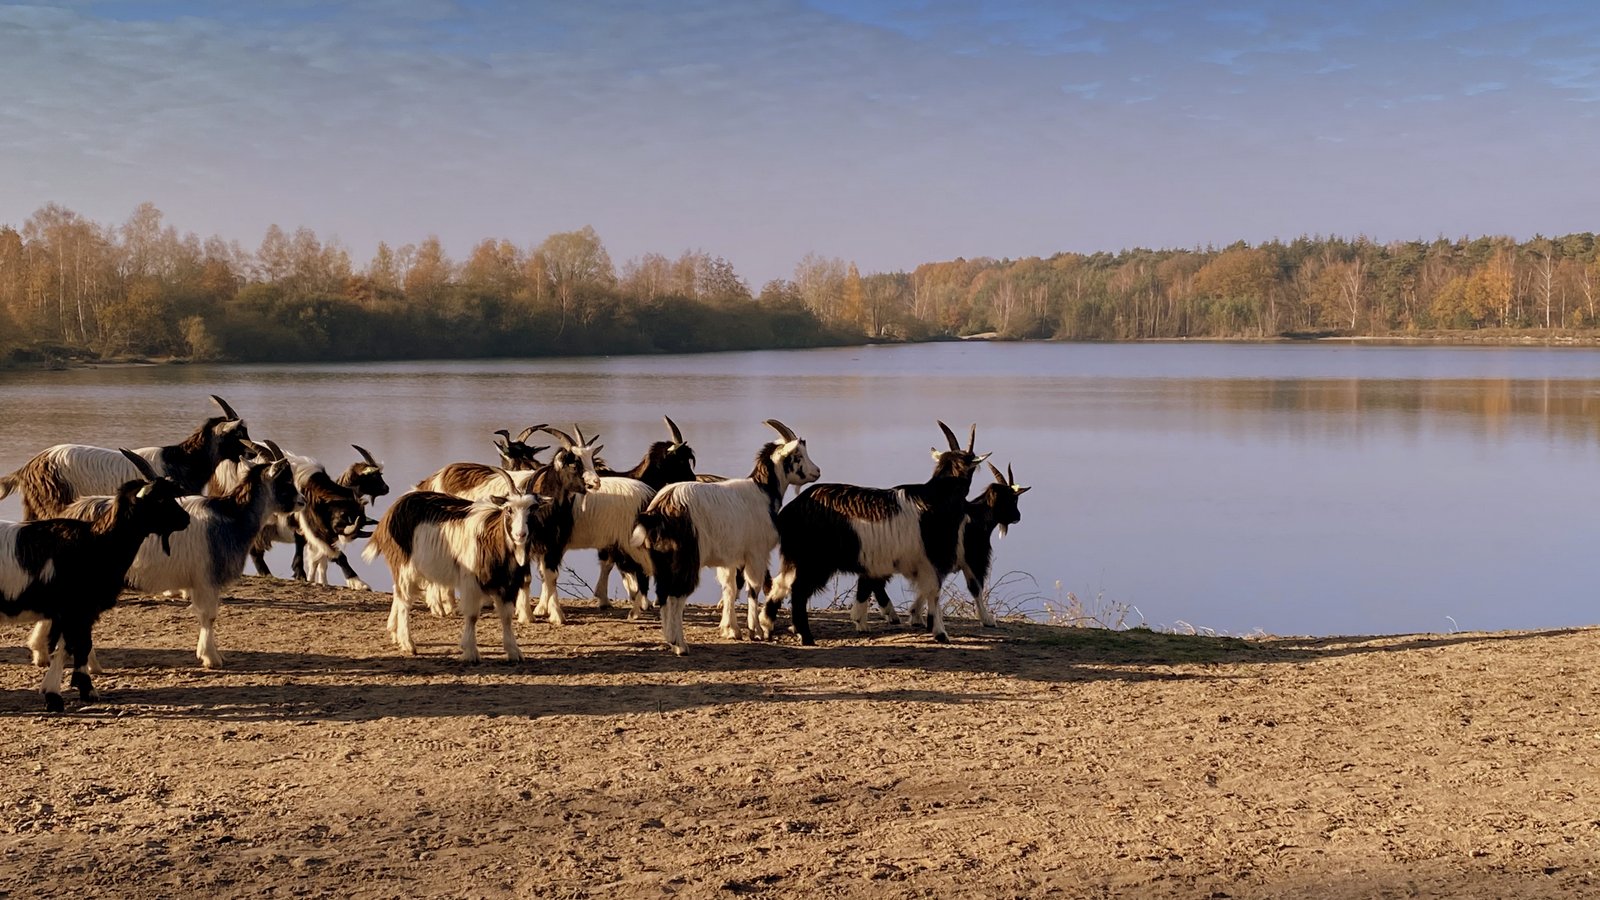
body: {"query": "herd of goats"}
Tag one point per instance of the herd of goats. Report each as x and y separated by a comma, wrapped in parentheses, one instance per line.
(185, 518)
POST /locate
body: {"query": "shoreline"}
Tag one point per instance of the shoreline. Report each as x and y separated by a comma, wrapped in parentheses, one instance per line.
(1439, 338)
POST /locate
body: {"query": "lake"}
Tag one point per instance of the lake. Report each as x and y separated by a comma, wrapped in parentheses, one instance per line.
(1293, 489)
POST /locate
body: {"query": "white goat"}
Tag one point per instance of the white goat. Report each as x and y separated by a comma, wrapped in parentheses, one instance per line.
(729, 525)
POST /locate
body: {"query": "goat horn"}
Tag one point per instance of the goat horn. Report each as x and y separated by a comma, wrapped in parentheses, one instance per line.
(277, 452)
(1000, 479)
(503, 433)
(223, 405)
(566, 439)
(972, 437)
(510, 482)
(140, 463)
(779, 427)
(677, 436)
(366, 456)
(526, 432)
(950, 436)
(1010, 478)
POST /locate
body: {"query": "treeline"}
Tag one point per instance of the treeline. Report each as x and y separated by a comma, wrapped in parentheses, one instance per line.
(73, 287)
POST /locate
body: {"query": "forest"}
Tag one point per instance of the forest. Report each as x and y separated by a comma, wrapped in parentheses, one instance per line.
(75, 289)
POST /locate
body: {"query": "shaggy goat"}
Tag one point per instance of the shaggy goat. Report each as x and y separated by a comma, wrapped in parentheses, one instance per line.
(912, 530)
(995, 508)
(728, 525)
(207, 555)
(63, 573)
(605, 525)
(58, 475)
(479, 548)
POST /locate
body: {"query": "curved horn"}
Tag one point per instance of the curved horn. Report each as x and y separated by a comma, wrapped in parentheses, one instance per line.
(950, 436)
(277, 452)
(999, 478)
(562, 436)
(140, 463)
(972, 437)
(677, 436)
(510, 482)
(366, 456)
(500, 431)
(1010, 478)
(780, 428)
(223, 405)
(524, 434)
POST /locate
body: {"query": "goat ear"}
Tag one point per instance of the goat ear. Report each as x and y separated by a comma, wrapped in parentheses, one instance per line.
(1022, 490)
(983, 457)
(597, 448)
(498, 500)
(935, 452)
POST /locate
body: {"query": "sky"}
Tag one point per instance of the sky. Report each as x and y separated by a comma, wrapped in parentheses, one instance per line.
(883, 132)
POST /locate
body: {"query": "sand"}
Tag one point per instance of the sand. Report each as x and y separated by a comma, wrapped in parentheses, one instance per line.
(1024, 761)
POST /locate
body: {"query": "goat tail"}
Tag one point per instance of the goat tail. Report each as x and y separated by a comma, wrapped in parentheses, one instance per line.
(8, 483)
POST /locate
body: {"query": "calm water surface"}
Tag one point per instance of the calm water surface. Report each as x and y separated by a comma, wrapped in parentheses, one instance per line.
(1295, 489)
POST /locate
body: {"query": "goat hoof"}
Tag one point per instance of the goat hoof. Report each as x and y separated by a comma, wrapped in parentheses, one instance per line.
(991, 625)
(807, 640)
(54, 703)
(41, 659)
(941, 638)
(356, 584)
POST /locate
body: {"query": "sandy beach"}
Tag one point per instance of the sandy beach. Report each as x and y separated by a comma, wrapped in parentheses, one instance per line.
(1024, 761)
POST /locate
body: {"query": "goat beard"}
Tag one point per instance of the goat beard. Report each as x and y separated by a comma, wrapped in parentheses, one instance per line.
(1002, 531)
(166, 543)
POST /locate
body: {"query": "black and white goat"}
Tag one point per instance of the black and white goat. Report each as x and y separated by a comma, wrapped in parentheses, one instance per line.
(728, 525)
(58, 475)
(912, 530)
(569, 475)
(333, 516)
(516, 454)
(996, 507)
(208, 554)
(480, 548)
(605, 518)
(63, 573)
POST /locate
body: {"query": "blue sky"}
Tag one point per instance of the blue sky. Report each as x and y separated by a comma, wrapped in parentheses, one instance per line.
(888, 133)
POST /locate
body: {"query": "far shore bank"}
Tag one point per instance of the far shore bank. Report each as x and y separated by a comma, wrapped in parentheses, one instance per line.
(1554, 338)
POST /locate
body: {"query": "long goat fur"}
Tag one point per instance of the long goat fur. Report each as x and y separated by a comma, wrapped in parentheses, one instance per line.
(209, 554)
(727, 525)
(63, 573)
(58, 475)
(478, 548)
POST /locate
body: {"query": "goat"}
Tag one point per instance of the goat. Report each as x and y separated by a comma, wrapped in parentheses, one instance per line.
(995, 508)
(913, 530)
(480, 548)
(515, 454)
(58, 475)
(569, 475)
(64, 573)
(334, 515)
(604, 525)
(729, 525)
(208, 554)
